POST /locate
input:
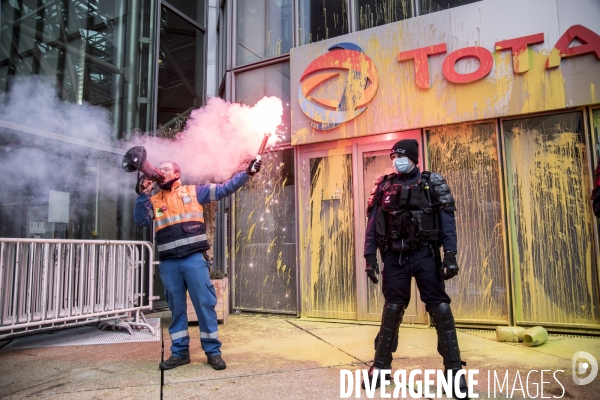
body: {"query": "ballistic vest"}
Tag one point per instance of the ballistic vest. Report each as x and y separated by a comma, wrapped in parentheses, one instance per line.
(179, 222)
(409, 214)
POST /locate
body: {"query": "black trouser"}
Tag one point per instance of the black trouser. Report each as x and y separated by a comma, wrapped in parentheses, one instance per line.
(401, 266)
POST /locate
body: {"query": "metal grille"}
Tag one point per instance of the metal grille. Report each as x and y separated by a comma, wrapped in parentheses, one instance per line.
(50, 283)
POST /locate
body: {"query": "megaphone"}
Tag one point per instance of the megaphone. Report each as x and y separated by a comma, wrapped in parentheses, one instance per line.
(136, 160)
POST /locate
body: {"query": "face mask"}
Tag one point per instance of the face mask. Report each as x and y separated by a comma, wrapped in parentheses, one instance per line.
(402, 164)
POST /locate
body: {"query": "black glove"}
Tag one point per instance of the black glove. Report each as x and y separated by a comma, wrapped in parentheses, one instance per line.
(256, 164)
(372, 268)
(449, 265)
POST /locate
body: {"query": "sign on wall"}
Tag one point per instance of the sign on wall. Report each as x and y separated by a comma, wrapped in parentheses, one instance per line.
(479, 61)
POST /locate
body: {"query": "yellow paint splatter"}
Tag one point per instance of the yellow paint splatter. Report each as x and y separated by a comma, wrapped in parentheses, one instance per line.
(331, 289)
(551, 221)
(467, 157)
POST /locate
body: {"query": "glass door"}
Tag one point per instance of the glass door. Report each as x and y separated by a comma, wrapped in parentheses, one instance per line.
(373, 162)
(551, 221)
(337, 179)
(327, 233)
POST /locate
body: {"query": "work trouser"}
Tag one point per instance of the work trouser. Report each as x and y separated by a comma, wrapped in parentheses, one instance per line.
(401, 266)
(190, 273)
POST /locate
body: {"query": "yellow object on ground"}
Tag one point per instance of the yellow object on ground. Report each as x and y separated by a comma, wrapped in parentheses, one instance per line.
(512, 334)
(535, 336)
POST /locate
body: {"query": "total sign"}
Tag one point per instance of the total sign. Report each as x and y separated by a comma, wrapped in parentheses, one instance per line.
(382, 80)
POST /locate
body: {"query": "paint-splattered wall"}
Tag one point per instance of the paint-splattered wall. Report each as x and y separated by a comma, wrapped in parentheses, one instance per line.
(510, 87)
(374, 167)
(555, 268)
(467, 157)
(265, 238)
(331, 287)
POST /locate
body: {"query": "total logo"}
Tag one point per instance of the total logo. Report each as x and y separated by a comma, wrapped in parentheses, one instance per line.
(362, 79)
(360, 86)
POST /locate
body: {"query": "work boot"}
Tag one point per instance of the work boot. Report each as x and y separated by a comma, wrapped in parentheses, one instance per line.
(173, 362)
(217, 362)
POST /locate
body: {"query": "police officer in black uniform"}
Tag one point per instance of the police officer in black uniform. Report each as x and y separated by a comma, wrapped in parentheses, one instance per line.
(410, 214)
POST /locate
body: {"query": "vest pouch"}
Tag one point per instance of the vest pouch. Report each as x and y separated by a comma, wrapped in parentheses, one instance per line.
(395, 225)
(391, 198)
(414, 201)
(407, 230)
(192, 227)
(425, 225)
(163, 236)
(404, 196)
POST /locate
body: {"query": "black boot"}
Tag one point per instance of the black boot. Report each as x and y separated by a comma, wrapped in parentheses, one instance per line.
(388, 334)
(448, 346)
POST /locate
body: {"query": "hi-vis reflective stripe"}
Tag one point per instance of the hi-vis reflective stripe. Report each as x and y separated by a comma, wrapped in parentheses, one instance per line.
(206, 335)
(181, 242)
(175, 218)
(179, 335)
(213, 192)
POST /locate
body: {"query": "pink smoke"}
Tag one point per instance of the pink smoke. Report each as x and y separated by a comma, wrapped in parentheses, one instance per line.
(219, 139)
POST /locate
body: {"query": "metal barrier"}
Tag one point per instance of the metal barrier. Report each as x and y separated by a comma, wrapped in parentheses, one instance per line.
(48, 284)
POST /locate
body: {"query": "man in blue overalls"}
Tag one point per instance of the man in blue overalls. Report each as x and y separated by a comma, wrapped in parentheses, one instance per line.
(182, 242)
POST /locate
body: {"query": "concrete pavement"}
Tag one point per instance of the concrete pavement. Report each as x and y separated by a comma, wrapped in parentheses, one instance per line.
(285, 358)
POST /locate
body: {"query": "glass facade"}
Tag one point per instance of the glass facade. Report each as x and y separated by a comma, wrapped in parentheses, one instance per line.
(265, 232)
(77, 80)
(321, 19)
(430, 6)
(371, 13)
(196, 10)
(98, 52)
(264, 30)
(265, 229)
(270, 80)
(254, 39)
(181, 66)
(525, 237)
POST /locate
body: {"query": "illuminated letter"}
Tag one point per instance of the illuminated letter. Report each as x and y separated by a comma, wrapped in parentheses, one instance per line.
(422, 62)
(518, 46)
(486, 61)
(590, 40)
